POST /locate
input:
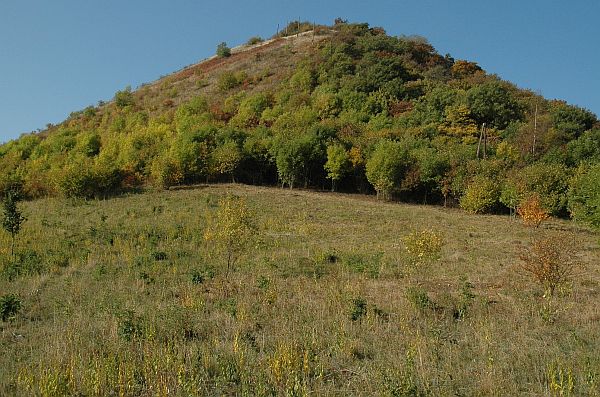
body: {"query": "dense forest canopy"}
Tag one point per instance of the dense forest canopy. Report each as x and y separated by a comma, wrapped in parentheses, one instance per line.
(345, 107)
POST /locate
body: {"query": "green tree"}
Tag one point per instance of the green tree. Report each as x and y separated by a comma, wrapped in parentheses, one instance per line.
(338, 163)
(584, 196)
(510, 197)
(493, 103)
(386, 167)
(571, 121)
(13, 218)
(294, 157)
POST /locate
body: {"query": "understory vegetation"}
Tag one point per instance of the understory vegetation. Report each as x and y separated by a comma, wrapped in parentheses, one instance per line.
(240, 290)
(345, 107)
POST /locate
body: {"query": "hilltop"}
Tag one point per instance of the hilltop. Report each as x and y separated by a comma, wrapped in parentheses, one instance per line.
(344, 107)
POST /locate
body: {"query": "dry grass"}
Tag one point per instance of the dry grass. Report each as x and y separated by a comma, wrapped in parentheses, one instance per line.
(132, 301)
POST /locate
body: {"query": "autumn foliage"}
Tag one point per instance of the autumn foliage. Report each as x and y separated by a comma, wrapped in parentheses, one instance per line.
(532, 212)
(550, 261)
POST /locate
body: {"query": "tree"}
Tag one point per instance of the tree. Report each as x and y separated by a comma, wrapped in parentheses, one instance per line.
(226, 158)
(337, 165)
(231, 229)
(13, 218)
(509, 196)
(492, 103)
(223, 51)
(295, 156)
(584, 197)
(386, 167)
(550, 261)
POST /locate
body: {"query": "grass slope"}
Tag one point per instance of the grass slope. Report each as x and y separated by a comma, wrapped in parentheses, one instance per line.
(130, 300)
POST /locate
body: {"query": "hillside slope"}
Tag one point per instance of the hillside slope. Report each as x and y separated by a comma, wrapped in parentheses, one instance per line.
(125, 296)
(344, 107)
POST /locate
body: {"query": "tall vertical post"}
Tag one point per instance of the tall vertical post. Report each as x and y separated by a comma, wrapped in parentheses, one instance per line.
(534, 130)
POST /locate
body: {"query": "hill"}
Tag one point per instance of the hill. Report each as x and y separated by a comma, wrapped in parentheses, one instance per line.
(345, 107)
(126, 296)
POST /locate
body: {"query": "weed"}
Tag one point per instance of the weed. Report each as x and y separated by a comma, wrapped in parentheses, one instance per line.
(159, 255)
(560, 380)
(10, 306)
(146, 278)
(423, 247)
(358, 309)
(419, 298)
(199, 276)
(465, 301)
(369, 265)
(129, 326)
(263, 283)
(25, 263)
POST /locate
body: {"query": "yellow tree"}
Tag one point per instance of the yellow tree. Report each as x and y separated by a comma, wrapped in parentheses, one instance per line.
(231, 229)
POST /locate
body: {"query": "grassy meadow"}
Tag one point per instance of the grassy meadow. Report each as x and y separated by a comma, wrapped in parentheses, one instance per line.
(125, 297)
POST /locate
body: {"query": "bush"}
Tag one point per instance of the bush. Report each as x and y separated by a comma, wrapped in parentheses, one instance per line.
(358, 309)
(550, 261)
(419, 298)
(254, 40)
(223, 51)
(423, 247)
(124, 98)
(25, 263)
(531, 211)
(481, 196)
(228, 80)
(10, 306)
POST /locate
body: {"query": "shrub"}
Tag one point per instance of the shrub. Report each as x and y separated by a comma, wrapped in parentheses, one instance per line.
(423, 247)
(223, 51)
(531, 211)
(124, 98)
(549, 181)
(10, 306)
(550, 261)
(130, 325)
(12, 218)
(254, 40)
(358, 309)
(481, 196)
(228, 80)
(419, 298)
(199, 276)
(23, 263)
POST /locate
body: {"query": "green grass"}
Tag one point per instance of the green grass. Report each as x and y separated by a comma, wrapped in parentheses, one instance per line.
(125, 297)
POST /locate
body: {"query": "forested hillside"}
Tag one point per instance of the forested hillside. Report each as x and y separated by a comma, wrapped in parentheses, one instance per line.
(345, 107)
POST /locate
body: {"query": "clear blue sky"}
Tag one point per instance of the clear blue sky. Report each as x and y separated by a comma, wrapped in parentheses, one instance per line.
(63, 55)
